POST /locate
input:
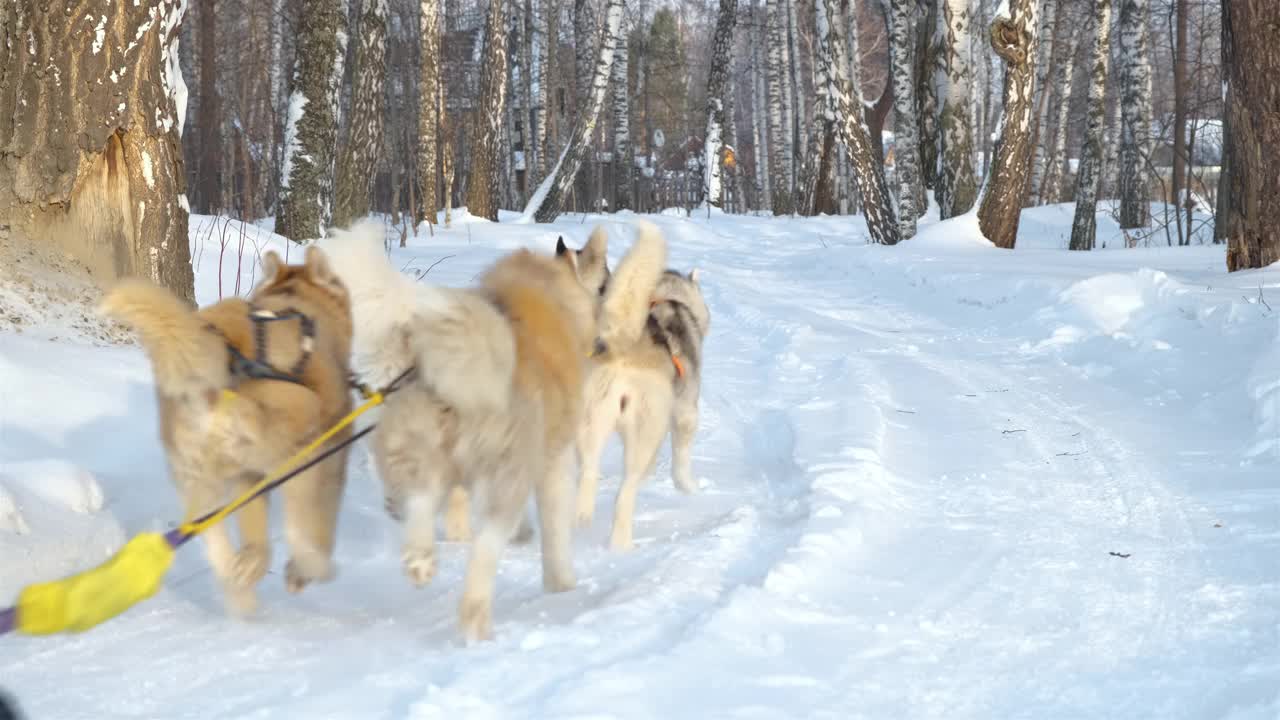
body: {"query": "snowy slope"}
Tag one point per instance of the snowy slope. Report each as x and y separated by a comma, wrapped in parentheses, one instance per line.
(915, 465)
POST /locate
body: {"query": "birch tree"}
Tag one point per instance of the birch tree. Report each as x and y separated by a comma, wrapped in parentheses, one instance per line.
(547, 200)
(368, 106)
(1251, 64)
(429, 107)
(623, 156)
(759, 121)
(781, 147)
(1055, 144)
(545, 36)
(902, 41)
(483, 188)
(930, 62)
(1051, 24)
(958, 182)
(717, 97)
(1135, 109)
(1084, 227)
(311, 129)
(835, 57)
(1013, 37)
(95, 170)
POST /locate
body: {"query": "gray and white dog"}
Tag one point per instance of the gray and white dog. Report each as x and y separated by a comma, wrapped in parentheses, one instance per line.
(646, 377)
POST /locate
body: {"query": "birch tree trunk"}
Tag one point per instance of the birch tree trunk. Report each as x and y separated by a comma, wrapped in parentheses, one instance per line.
(623, 156)
(97, 173)
(835, 56)
(528, 73)
(482, 188)
(930, 70)
(1084, 228)
(781, 147)
(368, 107)
(1052, 38)
(717, 96)
(545, 38)
(1135, 108)
(311, 131)
(798, 116)
(547, 200)
(586, 28)
(429, 107)
(1050, 189)
(902, 40)
(1251, 64)
(958, 183)
(1180, 151)
(759, 119)
(1013, 37)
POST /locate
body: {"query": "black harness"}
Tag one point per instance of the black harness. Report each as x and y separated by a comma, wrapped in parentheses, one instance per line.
(257, 367)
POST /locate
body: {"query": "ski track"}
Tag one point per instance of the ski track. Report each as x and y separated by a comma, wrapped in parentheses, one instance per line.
(899, 518)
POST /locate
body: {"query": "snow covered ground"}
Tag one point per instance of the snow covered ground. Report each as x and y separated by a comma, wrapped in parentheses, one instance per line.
(938, 480)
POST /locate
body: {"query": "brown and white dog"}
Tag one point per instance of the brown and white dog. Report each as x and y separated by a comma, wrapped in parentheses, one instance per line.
(283, 354)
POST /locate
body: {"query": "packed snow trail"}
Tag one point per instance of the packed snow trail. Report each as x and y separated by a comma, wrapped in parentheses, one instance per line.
(915, 462)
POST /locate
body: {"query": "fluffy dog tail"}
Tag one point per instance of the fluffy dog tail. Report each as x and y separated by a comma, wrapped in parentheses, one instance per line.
(186, 357)
(626, 302)
(460, 343)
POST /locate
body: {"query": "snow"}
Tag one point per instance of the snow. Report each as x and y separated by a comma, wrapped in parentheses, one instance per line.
(292, 146)
(99, 35)
(915, 464)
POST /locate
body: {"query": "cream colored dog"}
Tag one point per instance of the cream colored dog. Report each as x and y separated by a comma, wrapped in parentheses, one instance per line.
(493, 407)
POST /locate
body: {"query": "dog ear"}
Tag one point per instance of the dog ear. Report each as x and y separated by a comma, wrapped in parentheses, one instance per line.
(597, 245)
(320, 272)
(561, 248)
(694, 274)
(271, 263)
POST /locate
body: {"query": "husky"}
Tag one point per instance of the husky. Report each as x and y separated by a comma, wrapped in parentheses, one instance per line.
(647, 374)
(492, 408)
(241, 386)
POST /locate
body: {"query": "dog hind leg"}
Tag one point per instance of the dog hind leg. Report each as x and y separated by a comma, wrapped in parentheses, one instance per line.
(311, 519)
(642, 435)
(684, 423)
(599, 423)
(553, 516)
(254, 558)
(500, 513)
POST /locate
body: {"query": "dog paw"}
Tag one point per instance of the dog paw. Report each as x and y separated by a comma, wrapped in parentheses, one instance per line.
(685, 483)
(302, 570)
(620, 540)
(250, 565)
(240, 602)
(585, 514)
(419, 565)
(557, 582)
(476, 619)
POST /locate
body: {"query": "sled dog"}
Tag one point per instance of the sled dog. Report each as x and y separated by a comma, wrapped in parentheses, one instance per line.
(646, 377)
(492, 408)
(241, 385)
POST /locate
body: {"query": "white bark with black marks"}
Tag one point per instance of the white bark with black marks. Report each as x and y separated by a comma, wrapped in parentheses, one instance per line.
(717, 101)
(1084, 228)
(835, 56)
(1135, 108)
(957, 181)
(311, 131)
(354, 180)
(902, 43)
(483, 186)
